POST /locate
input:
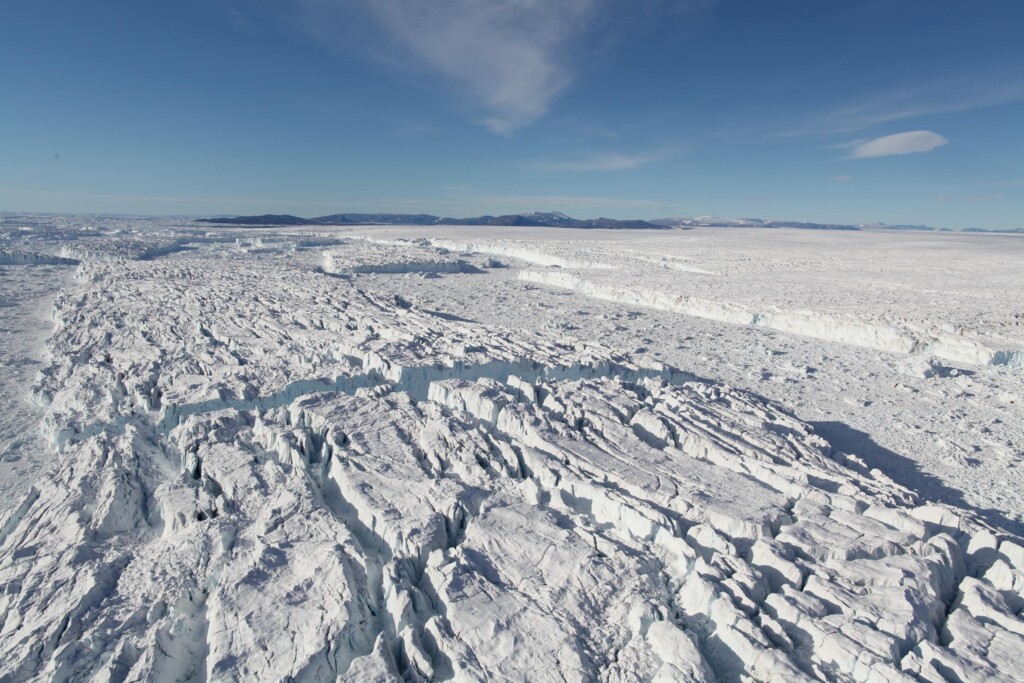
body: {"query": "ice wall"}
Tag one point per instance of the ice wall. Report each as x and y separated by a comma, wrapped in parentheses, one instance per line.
(844, 330)
(13, 257)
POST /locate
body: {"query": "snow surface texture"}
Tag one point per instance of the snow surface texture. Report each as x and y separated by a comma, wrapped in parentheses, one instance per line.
(373, 258)
(263, 472)
(26, 302)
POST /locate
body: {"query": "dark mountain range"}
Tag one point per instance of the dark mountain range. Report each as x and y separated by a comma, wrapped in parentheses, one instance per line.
(715, 222)
(539, 220)
(266, 219)
(555, 219)
(373, 218)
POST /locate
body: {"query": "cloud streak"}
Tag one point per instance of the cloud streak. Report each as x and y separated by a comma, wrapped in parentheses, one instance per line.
(900, 143)
(966, 93)
(974, 198)
(457, 205)
(510, 57)
(600, 162)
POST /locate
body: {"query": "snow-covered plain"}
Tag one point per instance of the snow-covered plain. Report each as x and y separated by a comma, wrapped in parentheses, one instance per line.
(474, 454)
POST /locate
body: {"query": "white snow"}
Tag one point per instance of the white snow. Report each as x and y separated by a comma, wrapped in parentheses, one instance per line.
(595, 464)
(372, 258)
(16, 257)
(892, 338)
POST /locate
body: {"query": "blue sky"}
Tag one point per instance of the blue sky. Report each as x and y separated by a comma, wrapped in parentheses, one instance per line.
(875, 110)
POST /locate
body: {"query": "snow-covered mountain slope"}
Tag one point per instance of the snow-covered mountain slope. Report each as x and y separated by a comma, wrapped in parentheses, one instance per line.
(264, 472)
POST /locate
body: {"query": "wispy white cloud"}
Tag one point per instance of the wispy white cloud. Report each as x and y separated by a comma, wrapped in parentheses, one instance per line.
(966, 93)
(510, 56)
(984, 198)
(900, 143)
(600, 162)
(508, 59)
(842, 178)
(457, 205)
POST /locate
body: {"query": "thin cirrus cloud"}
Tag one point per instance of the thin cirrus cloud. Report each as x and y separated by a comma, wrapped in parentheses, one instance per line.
(476, 204)
(906, 102)
(912, 142)
(510, 57)
(600, 162)
(974, 198)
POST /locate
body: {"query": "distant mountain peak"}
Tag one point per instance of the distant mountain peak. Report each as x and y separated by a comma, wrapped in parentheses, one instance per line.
(557, 219)
(550, 215)
(553, 219)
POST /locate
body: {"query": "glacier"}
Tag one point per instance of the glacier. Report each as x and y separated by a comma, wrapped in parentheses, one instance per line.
(259, 470)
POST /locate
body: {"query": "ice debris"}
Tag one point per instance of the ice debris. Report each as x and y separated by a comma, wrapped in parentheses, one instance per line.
(266, 474)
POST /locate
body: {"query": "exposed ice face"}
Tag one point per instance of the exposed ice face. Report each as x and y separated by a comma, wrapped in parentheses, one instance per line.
(888, 337)
(269, 473)
(407, 258)
(16, 257)
(892, 336)
(118, 249)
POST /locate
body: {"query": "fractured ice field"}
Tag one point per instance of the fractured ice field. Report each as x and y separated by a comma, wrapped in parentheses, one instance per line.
(392, 454)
